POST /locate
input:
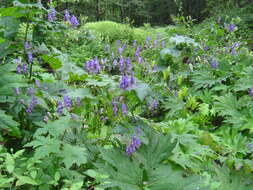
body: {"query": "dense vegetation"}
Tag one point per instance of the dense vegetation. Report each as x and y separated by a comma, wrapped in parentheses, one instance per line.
(108, 106)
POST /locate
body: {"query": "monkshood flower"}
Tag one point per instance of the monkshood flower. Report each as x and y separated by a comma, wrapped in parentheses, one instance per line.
(115, 62)
(158, 37)
(78, 101)
(139, 60)
(73, 116)
(251, 92)
(214, 64)
(132, 79)
(155, 43)
(137, 51)
(24, 68)
(118, 43)
(66, 15)
(135, 142)
(124, 83)
(74, 22)
(93, 66)
(231, 28)
(37, 83)
(53, 13)
(67, 101)
(30, 91)
(121, 64)
(134, 43)
(114, 107)
(123, 109)
(153, 105)
(233, 52)
(30, 57)
(163, 44)
(18, 69)
(50, 17)
(120, 50)
(33, 103)
(59, 107)
(17, 91)
(206, 48)
(26, 45)
(128, 64)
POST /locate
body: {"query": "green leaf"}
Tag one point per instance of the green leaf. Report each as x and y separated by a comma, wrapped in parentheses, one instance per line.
(73, 155)
(25, 180)
(7, 123)
(54, 62)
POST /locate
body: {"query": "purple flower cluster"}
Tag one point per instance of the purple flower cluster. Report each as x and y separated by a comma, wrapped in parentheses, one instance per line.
(74, 22)
(67, 102)
(30, 57)
(93, 66)
(229, 27)
(114, 107)
(59, 109)
(51, 14)
(135, 142)
(123, 109)
(153, 106)
(124, 83)
(66, 15)
(33, 103)
(251, 92)
(214, 64)
(78, 101)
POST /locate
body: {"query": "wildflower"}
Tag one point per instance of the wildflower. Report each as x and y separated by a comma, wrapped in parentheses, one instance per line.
(115, 62)
(158, 37)
(17, 91)
(128, 64)
(231, 28)
(118, 42)
(53, 13)
(31, 105)
(74, 22)
(137, 52)
(30, 91)
(124, 83)
(206, 48)
(24, 68)
(50, 17)
(18, 69)
(214, 64)
(73, 116)
(107, 48)
(26, 45)
(59, 107)
(78, 101)
(114, 107)
(135, 142)
(139, 60)
(37, 83)
(67, 101)
(120, 50)
(251, 92)
(30, 57)
(123, 109)
(66, 15)
(132, 80)
(134, 43)
(163, 44)
(121, 64)
(155, 43)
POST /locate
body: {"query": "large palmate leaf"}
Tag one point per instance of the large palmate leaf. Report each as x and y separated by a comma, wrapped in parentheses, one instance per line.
(8, 124)
(146, 169)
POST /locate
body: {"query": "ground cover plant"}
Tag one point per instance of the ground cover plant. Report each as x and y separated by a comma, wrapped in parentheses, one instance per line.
(107, 106)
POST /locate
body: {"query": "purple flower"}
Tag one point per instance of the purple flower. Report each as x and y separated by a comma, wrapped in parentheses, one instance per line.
(251, 92)
(206, 48)
(153, 106)
(93, 66)
(233, 51)
(18, 69)
(30, 91)
(66, 15)
(67, 101)
(139, 60)
(158, 37)
(73, 116)
(53, 13)
(137, 52)
(115, 62)
(26, 45)
(134, 43)
(107, 48)
(118, 42)
(163, 44)
(17, 91)
(124, 83)
(128, 64)
(50, 17)
(155, 43)
(33, 103)
(24, 68)
(231, 27)
(59, 107)
(78, 101)
(74, 22)
(37, 83)
(30, 57)
(123, 109)
(120, 50)
(214, 64)
(135, 143)
(121, 64)
(114, 107)
(132, 80)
